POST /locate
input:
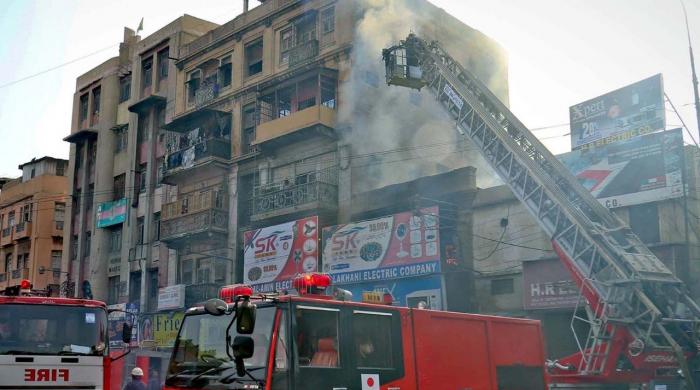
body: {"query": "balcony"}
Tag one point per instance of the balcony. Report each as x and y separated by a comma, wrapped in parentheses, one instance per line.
(3, 277)
(206, 92)
(318, 191)
(303, 52)
(198, 293)
(22, 273)
(214, 152)
(200, 214)
(22, 230)
(6, 237)
(317, 118)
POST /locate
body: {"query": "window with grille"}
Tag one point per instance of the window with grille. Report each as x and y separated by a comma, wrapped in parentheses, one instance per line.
(286, 44)
(225, 71)
(254, 57)
(124, 88)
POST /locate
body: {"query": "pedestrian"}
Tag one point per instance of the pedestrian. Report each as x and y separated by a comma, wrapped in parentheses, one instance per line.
(136, 383)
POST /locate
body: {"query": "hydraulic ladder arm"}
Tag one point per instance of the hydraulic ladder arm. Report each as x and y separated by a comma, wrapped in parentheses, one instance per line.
(644, 325)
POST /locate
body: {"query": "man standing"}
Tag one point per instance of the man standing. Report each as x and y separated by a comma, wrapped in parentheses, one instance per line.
(136, 383)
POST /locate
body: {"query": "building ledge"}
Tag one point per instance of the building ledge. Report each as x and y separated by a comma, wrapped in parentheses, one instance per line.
(317, 119)
(190, 119)
(81, 135)
(145, 103)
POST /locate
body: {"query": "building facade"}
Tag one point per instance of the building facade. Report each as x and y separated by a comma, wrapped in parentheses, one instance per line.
(32, 218)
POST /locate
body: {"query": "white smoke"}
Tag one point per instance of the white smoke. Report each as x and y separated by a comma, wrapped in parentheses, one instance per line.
(398, 134)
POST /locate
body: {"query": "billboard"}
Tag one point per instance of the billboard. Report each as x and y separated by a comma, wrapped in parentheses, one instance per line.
(171, 297)
(396, 246)
(639, 170)
(111, 213)
(160, 329)
(273, 255)
(116, 323)
(404, 292)
(548, 285)
(631, 111)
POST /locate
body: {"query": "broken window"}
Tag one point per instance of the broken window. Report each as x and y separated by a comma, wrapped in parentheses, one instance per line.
(225, 71)
(286, 44)
(124, 88)
(254, 57)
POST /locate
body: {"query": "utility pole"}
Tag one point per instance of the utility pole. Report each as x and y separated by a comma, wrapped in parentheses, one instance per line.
(692, 68)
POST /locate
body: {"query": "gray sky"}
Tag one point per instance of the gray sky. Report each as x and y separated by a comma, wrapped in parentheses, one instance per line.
(561, 52)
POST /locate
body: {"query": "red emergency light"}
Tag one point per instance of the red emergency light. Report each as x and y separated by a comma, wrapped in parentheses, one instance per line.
(312, 283)
(25, 285)
(229, 293)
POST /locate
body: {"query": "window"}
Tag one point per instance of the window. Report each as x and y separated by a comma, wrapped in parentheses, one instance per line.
(248, 128)
(187, 271)
(254, 57)
(96, 95)
(83, 113)
(286, 44)
(88, 239)
(122, 139)
(112, 290)
(156, 227)
(60, 168)
(153, 288)
(284, 102)
(26, 213)
(59, 215)
(219, 271)
(328, 20)
(119, 186)
(163, 64)
(317, 337)
(140, 231)
(306, 94)
(502, 286)
(194, 80)
(644, 221)
(11, 219)
(372, 339)
(124, 88)
(204, 270)
(281, 352)
(115, 240)
(8, 262)
(147, 72)
(305, 30)
(74, 247)
(225, 71)
(56, 263)
(160, 117)
(33, 173)
(144, 125)
(328, 91)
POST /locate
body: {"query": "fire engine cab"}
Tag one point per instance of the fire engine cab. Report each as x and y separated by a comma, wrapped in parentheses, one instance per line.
(53, 343)
(318, 339)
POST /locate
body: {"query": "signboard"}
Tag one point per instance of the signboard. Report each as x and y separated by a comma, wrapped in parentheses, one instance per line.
(639, 170)
(160, 329)
(397, 246)
(111, 213)
(631, 111)
(116, 323)
(273, 255)
(404, 292)
(548, 285)
(171, 297)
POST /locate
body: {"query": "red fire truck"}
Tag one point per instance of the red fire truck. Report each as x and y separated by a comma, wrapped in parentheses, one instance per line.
(316, 340)
(54, 343)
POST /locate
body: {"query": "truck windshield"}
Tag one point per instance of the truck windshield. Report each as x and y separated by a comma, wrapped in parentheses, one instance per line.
(200, 350)
(52, 330)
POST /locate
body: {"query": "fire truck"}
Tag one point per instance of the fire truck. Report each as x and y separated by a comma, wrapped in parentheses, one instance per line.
(316, 338)
(54, 343)
(644, 326)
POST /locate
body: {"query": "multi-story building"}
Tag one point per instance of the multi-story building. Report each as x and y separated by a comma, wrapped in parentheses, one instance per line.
(32, 220)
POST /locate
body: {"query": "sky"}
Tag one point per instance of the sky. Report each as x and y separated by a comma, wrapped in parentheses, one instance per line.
(560, 52)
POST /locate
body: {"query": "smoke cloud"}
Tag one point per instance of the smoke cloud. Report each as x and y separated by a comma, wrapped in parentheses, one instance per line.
(398, 134)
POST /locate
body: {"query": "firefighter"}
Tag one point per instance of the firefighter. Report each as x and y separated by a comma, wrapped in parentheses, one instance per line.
(366, 356)
(136, 383)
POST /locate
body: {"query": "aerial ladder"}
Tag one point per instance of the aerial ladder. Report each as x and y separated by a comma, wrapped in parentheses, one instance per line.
(644, 326)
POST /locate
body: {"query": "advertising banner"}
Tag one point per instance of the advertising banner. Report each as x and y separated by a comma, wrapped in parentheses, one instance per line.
(628, 112)
(171, 297)
(639, 170)
(160, 329)
(396, 246)
(404, 292)
(273, 255)
(116, 323)
(111, 213)
(548, 285)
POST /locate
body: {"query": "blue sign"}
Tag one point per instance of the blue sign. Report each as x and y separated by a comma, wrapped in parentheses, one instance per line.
(405, 292)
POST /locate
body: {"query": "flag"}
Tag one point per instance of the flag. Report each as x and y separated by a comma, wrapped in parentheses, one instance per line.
(140, 28)
(370, 381)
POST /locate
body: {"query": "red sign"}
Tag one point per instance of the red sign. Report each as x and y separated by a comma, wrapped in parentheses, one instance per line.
(548, 285)
(46, 375)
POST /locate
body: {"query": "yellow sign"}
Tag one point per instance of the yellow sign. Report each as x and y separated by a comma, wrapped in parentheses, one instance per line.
(372, 297)
(161, 328)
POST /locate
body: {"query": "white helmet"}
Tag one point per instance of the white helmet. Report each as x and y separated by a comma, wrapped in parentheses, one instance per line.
(137, 371)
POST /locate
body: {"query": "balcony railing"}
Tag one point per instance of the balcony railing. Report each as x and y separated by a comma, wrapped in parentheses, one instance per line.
(22, 273)
(187, 157)
(206, 92)
(318, 190)
(6, 231)
(22, 230)
(197, 293)
(206, 221)
(303, 52)
(19, 227)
